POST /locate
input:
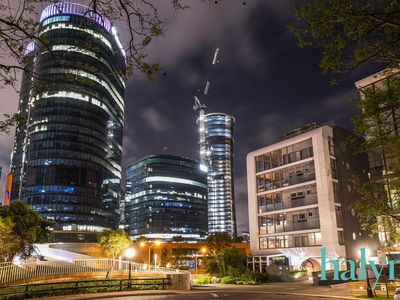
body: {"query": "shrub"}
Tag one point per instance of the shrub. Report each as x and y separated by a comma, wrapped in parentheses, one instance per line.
(229, 262)
(298, 273)
(203, 280)
(228, 280)
(265, 277)
(216, 280)
(243, 280)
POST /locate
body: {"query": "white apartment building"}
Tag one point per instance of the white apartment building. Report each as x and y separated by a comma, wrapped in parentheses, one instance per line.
(297, 190)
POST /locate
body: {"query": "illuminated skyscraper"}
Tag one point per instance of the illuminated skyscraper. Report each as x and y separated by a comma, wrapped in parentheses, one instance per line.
(66, 160)
(166, 196)
(218, 129)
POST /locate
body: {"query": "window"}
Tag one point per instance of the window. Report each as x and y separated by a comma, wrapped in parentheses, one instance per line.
(299, 218)
(306, 153)
(341, 237)
(336, 194)
(331, 146)
(333, 168)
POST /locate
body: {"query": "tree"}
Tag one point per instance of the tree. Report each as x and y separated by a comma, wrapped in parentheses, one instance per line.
(228, 262)
(113, 242)
(19, 22)
(9, 243)
(350, 32)
(217, 242)
(21, 227)
(378, 207)
(9, 122)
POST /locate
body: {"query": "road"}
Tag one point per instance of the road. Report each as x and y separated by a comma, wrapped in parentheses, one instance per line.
(273, 291)
(214, 295)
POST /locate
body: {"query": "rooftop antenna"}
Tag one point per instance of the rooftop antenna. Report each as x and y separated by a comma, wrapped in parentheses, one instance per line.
(201, 107)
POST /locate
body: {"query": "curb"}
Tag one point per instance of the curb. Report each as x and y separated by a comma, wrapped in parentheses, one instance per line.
(288, 293)
(107, 295)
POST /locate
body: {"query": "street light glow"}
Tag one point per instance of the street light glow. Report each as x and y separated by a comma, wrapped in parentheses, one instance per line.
(157, 243)
(203, 250)
(142, 244)
(130, 253)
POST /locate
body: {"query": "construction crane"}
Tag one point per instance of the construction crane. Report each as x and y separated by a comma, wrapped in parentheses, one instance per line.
(201, 107)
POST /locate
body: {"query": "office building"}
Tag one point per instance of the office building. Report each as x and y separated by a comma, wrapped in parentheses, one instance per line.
(165, 197)
(66, 160)
(299, 191)
(218, 141)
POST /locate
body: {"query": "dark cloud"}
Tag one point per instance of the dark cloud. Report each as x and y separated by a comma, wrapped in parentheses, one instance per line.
(264, 80)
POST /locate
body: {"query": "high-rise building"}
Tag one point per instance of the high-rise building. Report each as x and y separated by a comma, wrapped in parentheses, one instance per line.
(166, 196)
(66, 160)
(299, 195)
(218, 157)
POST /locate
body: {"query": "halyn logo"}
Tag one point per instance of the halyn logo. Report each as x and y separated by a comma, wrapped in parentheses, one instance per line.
(351, 272)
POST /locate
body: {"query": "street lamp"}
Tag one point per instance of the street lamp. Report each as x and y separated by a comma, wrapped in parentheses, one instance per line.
(369, 289)
(156, 243)
(203, 251)
(129, 254)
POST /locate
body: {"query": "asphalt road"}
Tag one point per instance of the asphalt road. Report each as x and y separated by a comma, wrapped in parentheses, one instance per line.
(215, 295)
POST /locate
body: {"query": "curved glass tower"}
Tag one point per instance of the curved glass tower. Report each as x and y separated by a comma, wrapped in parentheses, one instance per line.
(218, 129)
(166, 196)
(66, 160)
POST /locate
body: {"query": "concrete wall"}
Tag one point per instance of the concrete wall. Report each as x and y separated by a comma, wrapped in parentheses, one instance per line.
(180, 281)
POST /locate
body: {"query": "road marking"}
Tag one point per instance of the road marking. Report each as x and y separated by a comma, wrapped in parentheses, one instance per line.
(214, 295)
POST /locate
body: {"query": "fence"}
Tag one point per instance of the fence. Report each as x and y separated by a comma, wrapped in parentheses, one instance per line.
(10, 272)
(24, 291)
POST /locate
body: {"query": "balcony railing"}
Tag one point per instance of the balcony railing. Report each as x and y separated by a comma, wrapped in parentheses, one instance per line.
(288, 181)
(289, 203)
(311, 223)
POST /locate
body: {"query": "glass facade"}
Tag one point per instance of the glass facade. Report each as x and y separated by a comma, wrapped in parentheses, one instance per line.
(291, 241)
(166, 196)
(66, 160)
(219, 159)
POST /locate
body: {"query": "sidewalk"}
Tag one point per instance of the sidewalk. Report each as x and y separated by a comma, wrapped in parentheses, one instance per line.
(295, 289)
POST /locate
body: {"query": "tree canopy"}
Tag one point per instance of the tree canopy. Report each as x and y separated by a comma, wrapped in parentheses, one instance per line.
(20, 228)
(228, 262)
(113, 242)
(350, 32)
(217, 242)
(378, 204)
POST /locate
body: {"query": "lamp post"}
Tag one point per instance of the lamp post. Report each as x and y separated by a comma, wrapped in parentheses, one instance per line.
(156, 243)
(203, 251)
(369, 289)
(129, 254)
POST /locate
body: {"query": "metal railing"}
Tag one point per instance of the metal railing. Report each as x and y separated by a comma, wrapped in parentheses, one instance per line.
(88, 286)
(12, 272)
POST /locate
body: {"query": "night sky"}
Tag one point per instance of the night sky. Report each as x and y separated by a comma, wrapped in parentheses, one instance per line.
(264, 80)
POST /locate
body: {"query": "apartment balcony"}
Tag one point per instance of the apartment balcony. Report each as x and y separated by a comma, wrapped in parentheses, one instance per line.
(285, 181)
(289, 203)
(303, 201)
(312, 223)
